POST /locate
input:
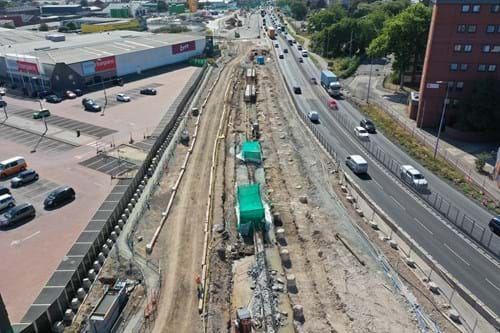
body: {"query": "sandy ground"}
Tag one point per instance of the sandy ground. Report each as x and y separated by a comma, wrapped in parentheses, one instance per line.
(181, 242)
(337, 292)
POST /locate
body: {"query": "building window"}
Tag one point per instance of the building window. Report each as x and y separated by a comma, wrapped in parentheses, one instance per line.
(486, 48)
(457, 47)
(481, 68)
(490, 28)
(468, 48)
(465, 8)
(464, 67)
(453, 67)
(455, 103)
(471, 28)
(492, 68)
(495, 49)
(461, 28)
(459, 86)
(495, 8)
(498, 29)
(476, 8)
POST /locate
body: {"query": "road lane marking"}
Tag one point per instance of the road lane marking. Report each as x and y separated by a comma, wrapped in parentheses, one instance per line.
(492, 284)
(453, 251)
(18, 241)
(397, 203)
(423, 226)
(378, 184)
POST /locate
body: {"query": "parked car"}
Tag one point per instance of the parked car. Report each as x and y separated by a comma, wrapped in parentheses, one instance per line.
(123, 97)
(12, 166)
(24, 177)
(361, 133)
(4, 190)
(3, 91)
(78, 92)
(17, 214)
(368, 125)
(91, 105)
(53, 99)
(86, 100)
(413, 177)
(69, 94)
(59, 196)
(43, 113)
(3, 103)
(494, 225)
(6, 201)
(357, 164)
(313, 116)
(44, 93)
(148, 91)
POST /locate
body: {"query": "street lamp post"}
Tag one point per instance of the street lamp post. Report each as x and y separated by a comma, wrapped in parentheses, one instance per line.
(369, 82)
(442, 115)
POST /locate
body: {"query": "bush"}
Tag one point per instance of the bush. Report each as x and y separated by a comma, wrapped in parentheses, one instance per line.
(480, 161)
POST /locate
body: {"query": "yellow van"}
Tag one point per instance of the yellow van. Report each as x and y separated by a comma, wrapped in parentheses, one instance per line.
(12, 166)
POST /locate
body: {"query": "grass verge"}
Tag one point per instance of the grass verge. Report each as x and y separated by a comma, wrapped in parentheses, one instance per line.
(345, 67)
(424, 154)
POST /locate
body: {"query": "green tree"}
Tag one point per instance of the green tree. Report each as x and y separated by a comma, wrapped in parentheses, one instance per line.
(405, 36)
(161, 6)
(480, 112)
(43, 27)
(298, 9)
(325, 18)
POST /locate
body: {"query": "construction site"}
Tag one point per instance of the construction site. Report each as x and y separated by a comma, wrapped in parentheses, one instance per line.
(246, 224)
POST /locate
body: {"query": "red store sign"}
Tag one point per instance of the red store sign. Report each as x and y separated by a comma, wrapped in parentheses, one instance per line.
(105, 64)
(27, 67)
(184, 47)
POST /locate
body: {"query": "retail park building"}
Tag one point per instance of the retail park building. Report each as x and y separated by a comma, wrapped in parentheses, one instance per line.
(58, 62)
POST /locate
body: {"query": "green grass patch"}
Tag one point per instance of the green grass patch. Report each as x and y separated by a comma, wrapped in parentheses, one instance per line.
(424, 154)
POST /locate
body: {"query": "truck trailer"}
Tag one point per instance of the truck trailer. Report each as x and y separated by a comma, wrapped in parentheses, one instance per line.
(271, 32)
(330, 82)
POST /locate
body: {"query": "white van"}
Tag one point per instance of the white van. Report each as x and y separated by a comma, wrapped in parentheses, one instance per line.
(413, 177)
(6, 201)
(357, 164)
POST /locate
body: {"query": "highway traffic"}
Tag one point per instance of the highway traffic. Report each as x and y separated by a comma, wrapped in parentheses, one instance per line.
(479, 273)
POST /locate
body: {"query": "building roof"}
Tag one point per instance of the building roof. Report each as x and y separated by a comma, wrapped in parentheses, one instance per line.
(91, 46)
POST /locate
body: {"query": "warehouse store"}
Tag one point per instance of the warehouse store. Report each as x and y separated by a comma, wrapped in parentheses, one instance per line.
(84, 62)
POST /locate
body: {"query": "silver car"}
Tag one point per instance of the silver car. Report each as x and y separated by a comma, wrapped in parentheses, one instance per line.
(24, 177)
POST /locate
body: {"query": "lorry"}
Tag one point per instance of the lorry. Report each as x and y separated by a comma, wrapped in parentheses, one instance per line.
(271, 32)
(330, 82)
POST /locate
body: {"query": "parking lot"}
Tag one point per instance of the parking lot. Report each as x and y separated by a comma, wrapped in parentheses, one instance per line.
(31, 251)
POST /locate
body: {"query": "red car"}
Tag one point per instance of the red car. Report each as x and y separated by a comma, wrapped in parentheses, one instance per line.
(69, 94)
(332, 104)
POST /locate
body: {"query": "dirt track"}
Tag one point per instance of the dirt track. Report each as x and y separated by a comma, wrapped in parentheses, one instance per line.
(181, 241)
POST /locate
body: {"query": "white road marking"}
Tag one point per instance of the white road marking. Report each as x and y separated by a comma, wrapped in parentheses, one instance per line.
(378, 184)
(18, 241)
(423, 226)
(453, 251)
(397, 203)
(492, 284)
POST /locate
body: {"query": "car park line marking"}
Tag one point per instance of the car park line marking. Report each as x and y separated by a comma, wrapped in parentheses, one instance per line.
(19, 241)
(423, 226)
(397, 203)
(492, 284)
(456, 254)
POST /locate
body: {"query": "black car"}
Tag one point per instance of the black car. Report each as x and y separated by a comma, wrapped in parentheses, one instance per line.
(17, 214)
(368, 126)
(53, 99)
(91, 105)
(495, 225)
(78, 92)
(24, 177)
(59, 196)
(4, 190)
(3, 103)
(148, 91)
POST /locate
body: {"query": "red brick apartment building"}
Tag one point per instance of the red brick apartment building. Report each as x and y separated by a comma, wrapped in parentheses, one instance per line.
(463, 46)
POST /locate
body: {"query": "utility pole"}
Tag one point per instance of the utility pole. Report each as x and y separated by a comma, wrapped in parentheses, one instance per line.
(350, 44)
(442, 116)
(369, 81)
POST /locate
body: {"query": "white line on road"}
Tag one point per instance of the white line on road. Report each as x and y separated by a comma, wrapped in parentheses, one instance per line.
(423, 226)
(453, 251)
(378, 184)
(397, 203)
(492, 284)
(18, 241)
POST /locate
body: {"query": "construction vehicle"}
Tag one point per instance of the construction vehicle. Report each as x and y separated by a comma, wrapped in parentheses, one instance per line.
(243, 322)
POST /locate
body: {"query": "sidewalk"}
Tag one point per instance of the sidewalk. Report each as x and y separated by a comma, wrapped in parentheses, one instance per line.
(460, 154)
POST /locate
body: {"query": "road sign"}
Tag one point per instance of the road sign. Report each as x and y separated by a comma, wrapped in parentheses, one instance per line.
(432, 86)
